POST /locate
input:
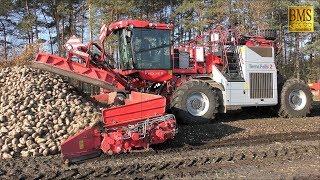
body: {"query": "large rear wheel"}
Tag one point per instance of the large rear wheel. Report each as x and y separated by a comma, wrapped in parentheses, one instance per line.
(295, 99)
(194, 102)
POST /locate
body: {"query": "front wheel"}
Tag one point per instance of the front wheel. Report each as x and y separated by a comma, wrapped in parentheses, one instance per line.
(194, 102)
(295, 99)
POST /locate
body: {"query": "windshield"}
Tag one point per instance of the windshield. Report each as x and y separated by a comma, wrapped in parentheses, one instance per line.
(125, 50)
(151, 48)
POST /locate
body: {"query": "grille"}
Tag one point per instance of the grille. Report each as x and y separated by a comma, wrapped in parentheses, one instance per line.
(261, 85)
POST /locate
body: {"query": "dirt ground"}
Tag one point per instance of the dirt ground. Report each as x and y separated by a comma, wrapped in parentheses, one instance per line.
(300, 168)
(243, 145)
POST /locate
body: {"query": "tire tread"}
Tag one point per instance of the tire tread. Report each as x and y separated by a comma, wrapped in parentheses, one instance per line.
(181, 91)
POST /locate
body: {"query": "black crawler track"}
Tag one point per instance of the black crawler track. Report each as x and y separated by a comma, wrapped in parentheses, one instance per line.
(169, 163)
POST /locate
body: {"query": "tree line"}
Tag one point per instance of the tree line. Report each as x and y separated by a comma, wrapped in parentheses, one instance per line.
(52, 22)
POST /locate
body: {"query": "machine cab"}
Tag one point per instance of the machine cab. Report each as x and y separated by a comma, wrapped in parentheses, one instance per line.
(142, 45)
(143, 48)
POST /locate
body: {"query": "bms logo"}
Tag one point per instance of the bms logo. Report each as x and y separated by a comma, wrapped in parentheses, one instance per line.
(301, 18)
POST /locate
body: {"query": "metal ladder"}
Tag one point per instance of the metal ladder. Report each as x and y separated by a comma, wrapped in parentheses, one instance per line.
(233, 70)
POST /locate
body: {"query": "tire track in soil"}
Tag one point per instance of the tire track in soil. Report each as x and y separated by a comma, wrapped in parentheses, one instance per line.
(173, 167)
(157, 164)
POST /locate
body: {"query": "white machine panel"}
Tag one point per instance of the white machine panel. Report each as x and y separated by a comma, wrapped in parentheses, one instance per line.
(260, 79)
(200, 54)
(260, 75)
(237, 93)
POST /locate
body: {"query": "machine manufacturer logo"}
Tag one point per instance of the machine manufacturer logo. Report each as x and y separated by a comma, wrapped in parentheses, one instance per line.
(81, 144)
(301, 18)
(260, 66)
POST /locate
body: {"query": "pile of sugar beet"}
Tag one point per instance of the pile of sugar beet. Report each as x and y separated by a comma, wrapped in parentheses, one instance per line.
(38, 111)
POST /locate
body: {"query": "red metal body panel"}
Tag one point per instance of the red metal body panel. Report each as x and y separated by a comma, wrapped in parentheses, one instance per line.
(259, 41)
(315, 89)
(163, 131)
(156, 75)
(102, 97)
(84, 143)
(155, 131)
(107, 78)
(138, 24)
(138, 106)
(185, 71)
(137, 124)
(106, 30)
(315, 86)
(211, 59)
